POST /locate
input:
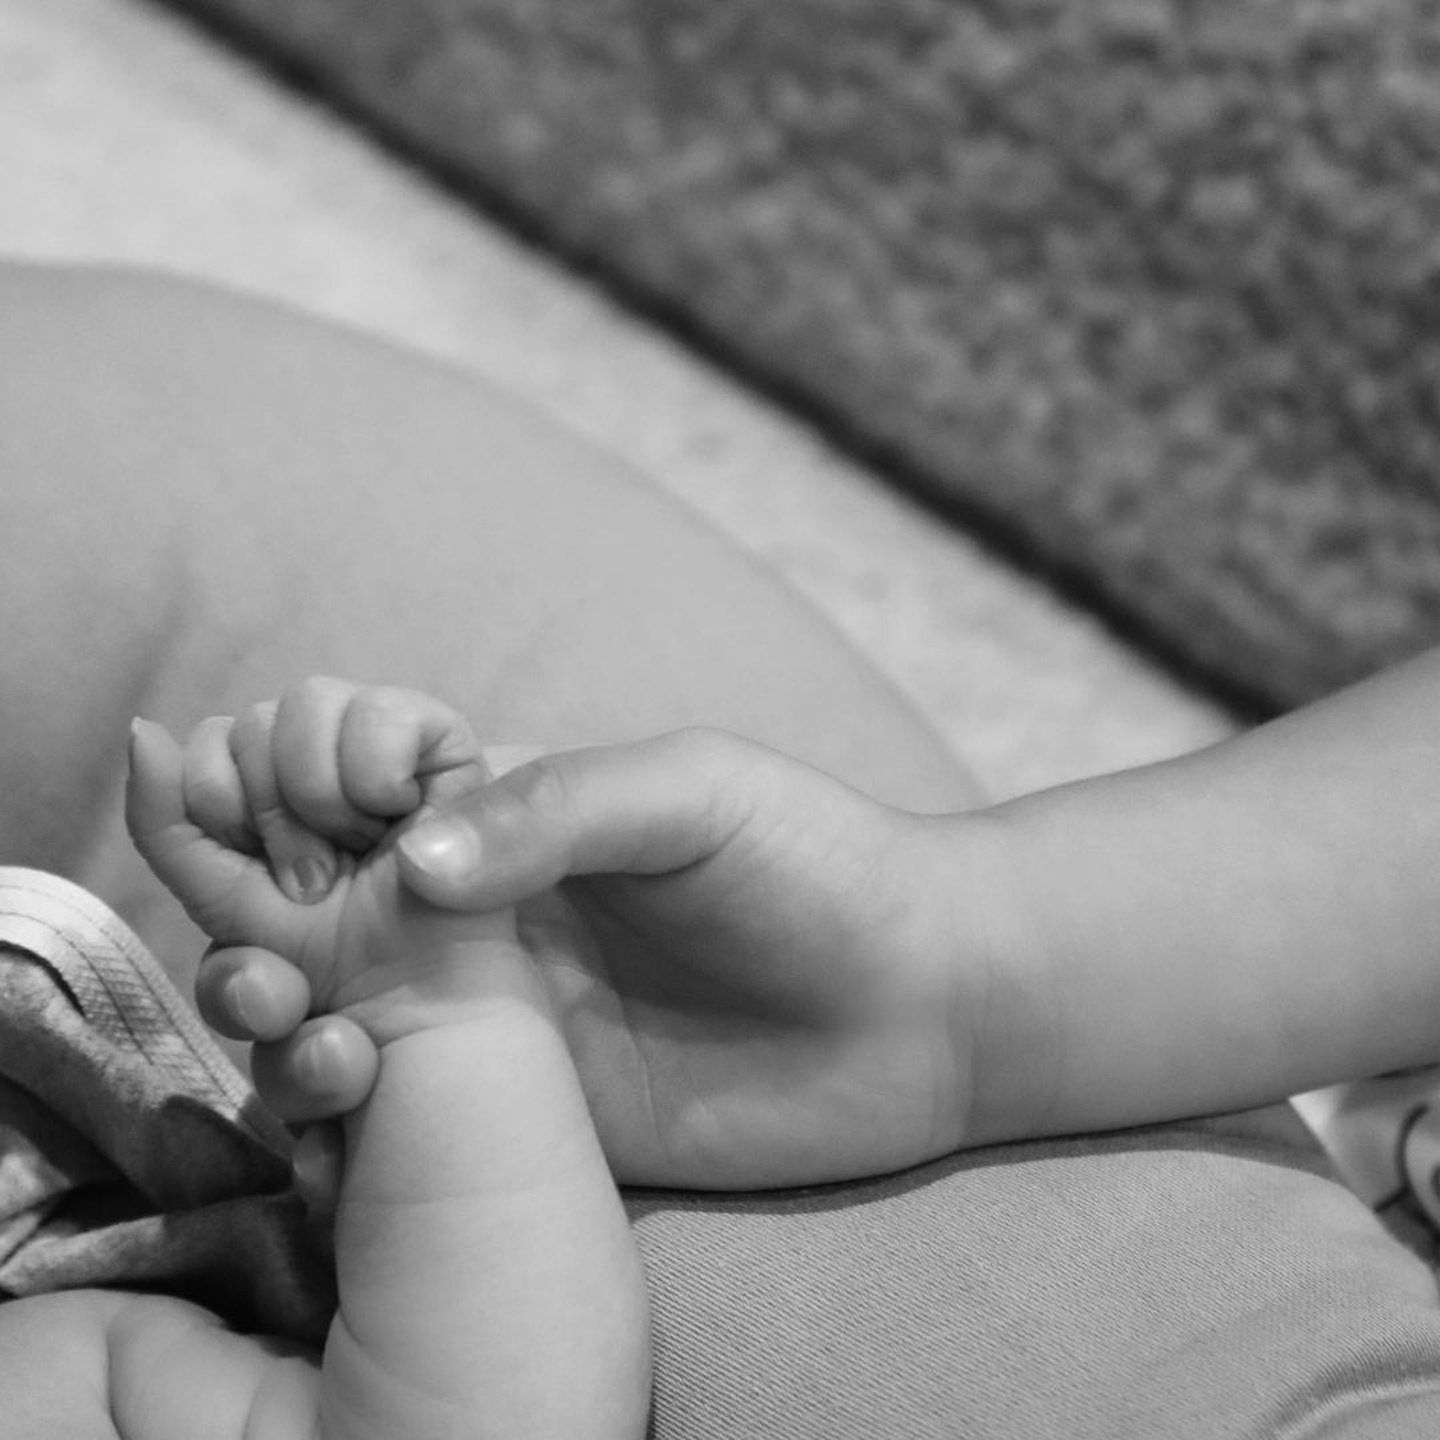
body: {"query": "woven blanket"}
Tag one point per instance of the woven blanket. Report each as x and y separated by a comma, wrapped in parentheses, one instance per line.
(1147, 291)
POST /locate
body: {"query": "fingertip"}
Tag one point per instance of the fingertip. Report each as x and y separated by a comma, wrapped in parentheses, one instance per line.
(251, 994)
(325, 1069)
(149, 743)
(318, 1164)
(399, 748)
(214, 795)
(143, 732)
(153, 782)
(440, 860)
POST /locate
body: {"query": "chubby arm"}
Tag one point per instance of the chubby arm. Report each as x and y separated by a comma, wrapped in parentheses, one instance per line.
(488, 1281)
(1241, 924)
(541, 1314)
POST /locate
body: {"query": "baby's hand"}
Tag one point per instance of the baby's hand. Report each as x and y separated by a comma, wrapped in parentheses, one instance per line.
(765, 978)
(277, 831)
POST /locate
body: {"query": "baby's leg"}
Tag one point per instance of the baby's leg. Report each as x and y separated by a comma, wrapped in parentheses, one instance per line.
(204, 498)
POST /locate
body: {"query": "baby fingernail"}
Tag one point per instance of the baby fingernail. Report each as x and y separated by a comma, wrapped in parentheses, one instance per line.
(311, 879)
(316, 1162)
(445, 849)
(316, 1060)
(245, 1001)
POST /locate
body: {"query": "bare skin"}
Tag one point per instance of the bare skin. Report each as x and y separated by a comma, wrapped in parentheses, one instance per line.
(803, 978)
(488, 1283)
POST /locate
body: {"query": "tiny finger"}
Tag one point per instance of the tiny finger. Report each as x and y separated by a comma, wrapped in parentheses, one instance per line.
(318, 1164)
(641, 808)
(217, 885)
(325, 1069)
(214, 793)
(251, 994)
(401, 747)
(306, 748)
(303, 863)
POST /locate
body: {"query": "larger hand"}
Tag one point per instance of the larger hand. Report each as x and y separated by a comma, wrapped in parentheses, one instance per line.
(756, 966)
(766, 978)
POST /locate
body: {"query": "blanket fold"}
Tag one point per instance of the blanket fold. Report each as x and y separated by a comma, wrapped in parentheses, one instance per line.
(131, 1150)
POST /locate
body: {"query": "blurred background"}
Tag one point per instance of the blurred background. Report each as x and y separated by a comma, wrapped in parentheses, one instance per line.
(1080, 362)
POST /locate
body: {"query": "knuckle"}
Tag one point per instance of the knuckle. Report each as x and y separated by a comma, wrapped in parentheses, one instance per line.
(728, 772)
(384, 707)
(251, 728)
(208, 796)
(273, 822)
(706, 747)
(207, 749)
(312, 803)
(211, 729)
(540, 786)
(717, 757)
(383, 724)
(315, 688)
(536, 799)
(387, 699)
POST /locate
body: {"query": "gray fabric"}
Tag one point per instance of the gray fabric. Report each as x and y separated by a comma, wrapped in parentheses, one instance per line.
(1158, 1283)
(1197, 1281)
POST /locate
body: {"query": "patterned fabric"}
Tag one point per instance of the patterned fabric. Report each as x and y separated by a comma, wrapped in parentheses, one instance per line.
(130, 1149)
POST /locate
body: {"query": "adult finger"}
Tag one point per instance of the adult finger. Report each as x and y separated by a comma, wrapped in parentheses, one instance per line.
(318, 1164)
(642, 808)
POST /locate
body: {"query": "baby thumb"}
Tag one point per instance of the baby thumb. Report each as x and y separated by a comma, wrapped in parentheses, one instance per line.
(641, 808)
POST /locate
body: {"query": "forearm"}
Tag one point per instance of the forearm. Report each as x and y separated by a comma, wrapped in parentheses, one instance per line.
(1243, 923)
(488, 1281)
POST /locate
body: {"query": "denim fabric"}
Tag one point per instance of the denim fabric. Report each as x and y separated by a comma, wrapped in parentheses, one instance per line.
(1198, 1281)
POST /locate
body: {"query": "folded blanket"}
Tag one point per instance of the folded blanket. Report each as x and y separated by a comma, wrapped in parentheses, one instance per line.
(131, 1151)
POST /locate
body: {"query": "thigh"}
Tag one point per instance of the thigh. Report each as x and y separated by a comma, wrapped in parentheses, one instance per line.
(205, 497)
(1177, 1282)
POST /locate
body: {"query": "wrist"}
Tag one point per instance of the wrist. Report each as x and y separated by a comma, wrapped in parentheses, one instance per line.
(1128, 933)
(483, 1256)
(468, 983)
(487, 1107)
(1002, 1008)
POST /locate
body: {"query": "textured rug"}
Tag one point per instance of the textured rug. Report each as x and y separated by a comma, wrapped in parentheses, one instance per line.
(1148, 291)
